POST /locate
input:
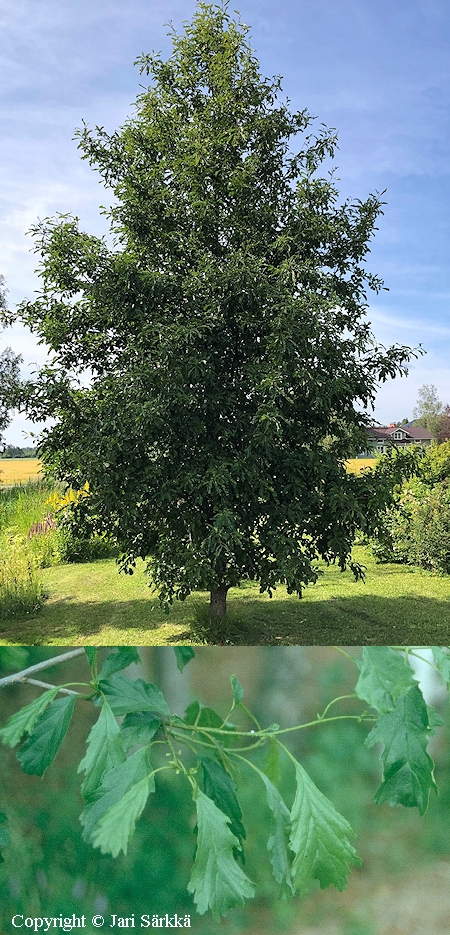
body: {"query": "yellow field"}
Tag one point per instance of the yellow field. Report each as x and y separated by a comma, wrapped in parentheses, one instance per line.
(355, 465)
(19, 470)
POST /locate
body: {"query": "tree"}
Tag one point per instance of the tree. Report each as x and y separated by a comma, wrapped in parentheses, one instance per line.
(214, 756)
(428, 409)
(443, 428)
(9, 371)
(225, 332)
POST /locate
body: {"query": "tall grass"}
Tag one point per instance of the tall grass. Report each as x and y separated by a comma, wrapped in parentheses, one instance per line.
(23, 554)
(21, 587)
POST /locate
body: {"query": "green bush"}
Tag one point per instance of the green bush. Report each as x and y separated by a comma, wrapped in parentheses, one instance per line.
(431, 531)
(416, 528)
(395, 541)
(73, 548)
(21, 588)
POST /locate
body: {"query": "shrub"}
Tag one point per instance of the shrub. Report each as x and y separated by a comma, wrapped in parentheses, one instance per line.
(416, 528)
(73, 548)
(431, 531)
(21, 588)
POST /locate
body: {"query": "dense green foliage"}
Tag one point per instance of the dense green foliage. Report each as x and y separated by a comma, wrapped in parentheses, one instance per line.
(225, 332)
(124, 763)
(416, 526)
(9, 369)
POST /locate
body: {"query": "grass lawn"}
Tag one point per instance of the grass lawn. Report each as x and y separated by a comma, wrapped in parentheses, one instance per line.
(91, 604)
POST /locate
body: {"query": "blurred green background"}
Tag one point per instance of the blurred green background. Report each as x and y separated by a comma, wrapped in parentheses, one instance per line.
(403, 886)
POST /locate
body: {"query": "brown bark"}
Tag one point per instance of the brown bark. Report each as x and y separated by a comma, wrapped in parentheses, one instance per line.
(218, 602)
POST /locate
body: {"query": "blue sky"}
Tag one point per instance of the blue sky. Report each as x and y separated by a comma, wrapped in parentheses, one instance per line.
(377, 71)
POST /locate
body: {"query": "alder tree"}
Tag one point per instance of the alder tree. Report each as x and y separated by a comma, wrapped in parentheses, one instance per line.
(231, 364)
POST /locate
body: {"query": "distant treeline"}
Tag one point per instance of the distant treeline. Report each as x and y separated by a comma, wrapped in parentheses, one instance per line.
(11, 451)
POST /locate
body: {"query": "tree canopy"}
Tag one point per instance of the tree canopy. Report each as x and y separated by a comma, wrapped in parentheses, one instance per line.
(9, 370)
(224, 332)
(429, 408)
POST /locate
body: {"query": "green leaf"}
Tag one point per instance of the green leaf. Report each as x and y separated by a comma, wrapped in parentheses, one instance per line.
(123, 658)
(434, 719)
(442, 662)
(207, 717)
(236, 688)
(219, 787)
(277, 843)
(104, 750)
(217, 882)
(91, 654)
(139, 728)
(385, 676)
(272, 764)
(113, 831)
(24, 720)
(39, 751)
(319, 839)
(183, 655)
(407, 767)
(5, 839)
(126, 696)
(115, 783)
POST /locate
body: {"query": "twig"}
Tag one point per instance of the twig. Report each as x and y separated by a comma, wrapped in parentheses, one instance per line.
(46, 664)
(66, 691)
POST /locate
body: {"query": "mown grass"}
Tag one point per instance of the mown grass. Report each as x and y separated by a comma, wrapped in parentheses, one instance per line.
(91, 604)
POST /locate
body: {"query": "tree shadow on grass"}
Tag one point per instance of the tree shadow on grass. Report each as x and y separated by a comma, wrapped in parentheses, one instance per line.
(355, 620)
(125, 622)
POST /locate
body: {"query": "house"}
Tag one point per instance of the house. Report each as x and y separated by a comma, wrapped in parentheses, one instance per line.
(382, 437)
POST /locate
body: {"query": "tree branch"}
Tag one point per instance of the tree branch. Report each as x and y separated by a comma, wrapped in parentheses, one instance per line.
(66, 691)
(46, 664)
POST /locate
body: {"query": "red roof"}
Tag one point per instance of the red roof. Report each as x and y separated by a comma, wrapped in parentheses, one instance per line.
(414, 432)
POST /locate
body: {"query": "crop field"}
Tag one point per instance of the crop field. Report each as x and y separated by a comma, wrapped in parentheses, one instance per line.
(18, 470)
(356, 465)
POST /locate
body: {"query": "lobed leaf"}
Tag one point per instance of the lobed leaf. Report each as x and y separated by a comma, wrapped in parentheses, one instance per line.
(442, 662)
(219, 787)
(139, 728)
(207, 717)
(104, 750)
(91, 654)
(183, 655)
(319, 839)
(39, 751)
(407, 767)
(277, 842)
(115, 783)
(217, 882)
(123, 658)
(126, 696)
(113, 831)
(385, 676)
(24, 720)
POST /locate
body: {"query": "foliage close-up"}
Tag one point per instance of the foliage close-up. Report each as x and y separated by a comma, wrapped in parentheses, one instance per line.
(224, 332)
(135, 739)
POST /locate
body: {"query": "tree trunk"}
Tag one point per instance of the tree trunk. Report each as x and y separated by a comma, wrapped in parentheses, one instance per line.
(218, 602)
